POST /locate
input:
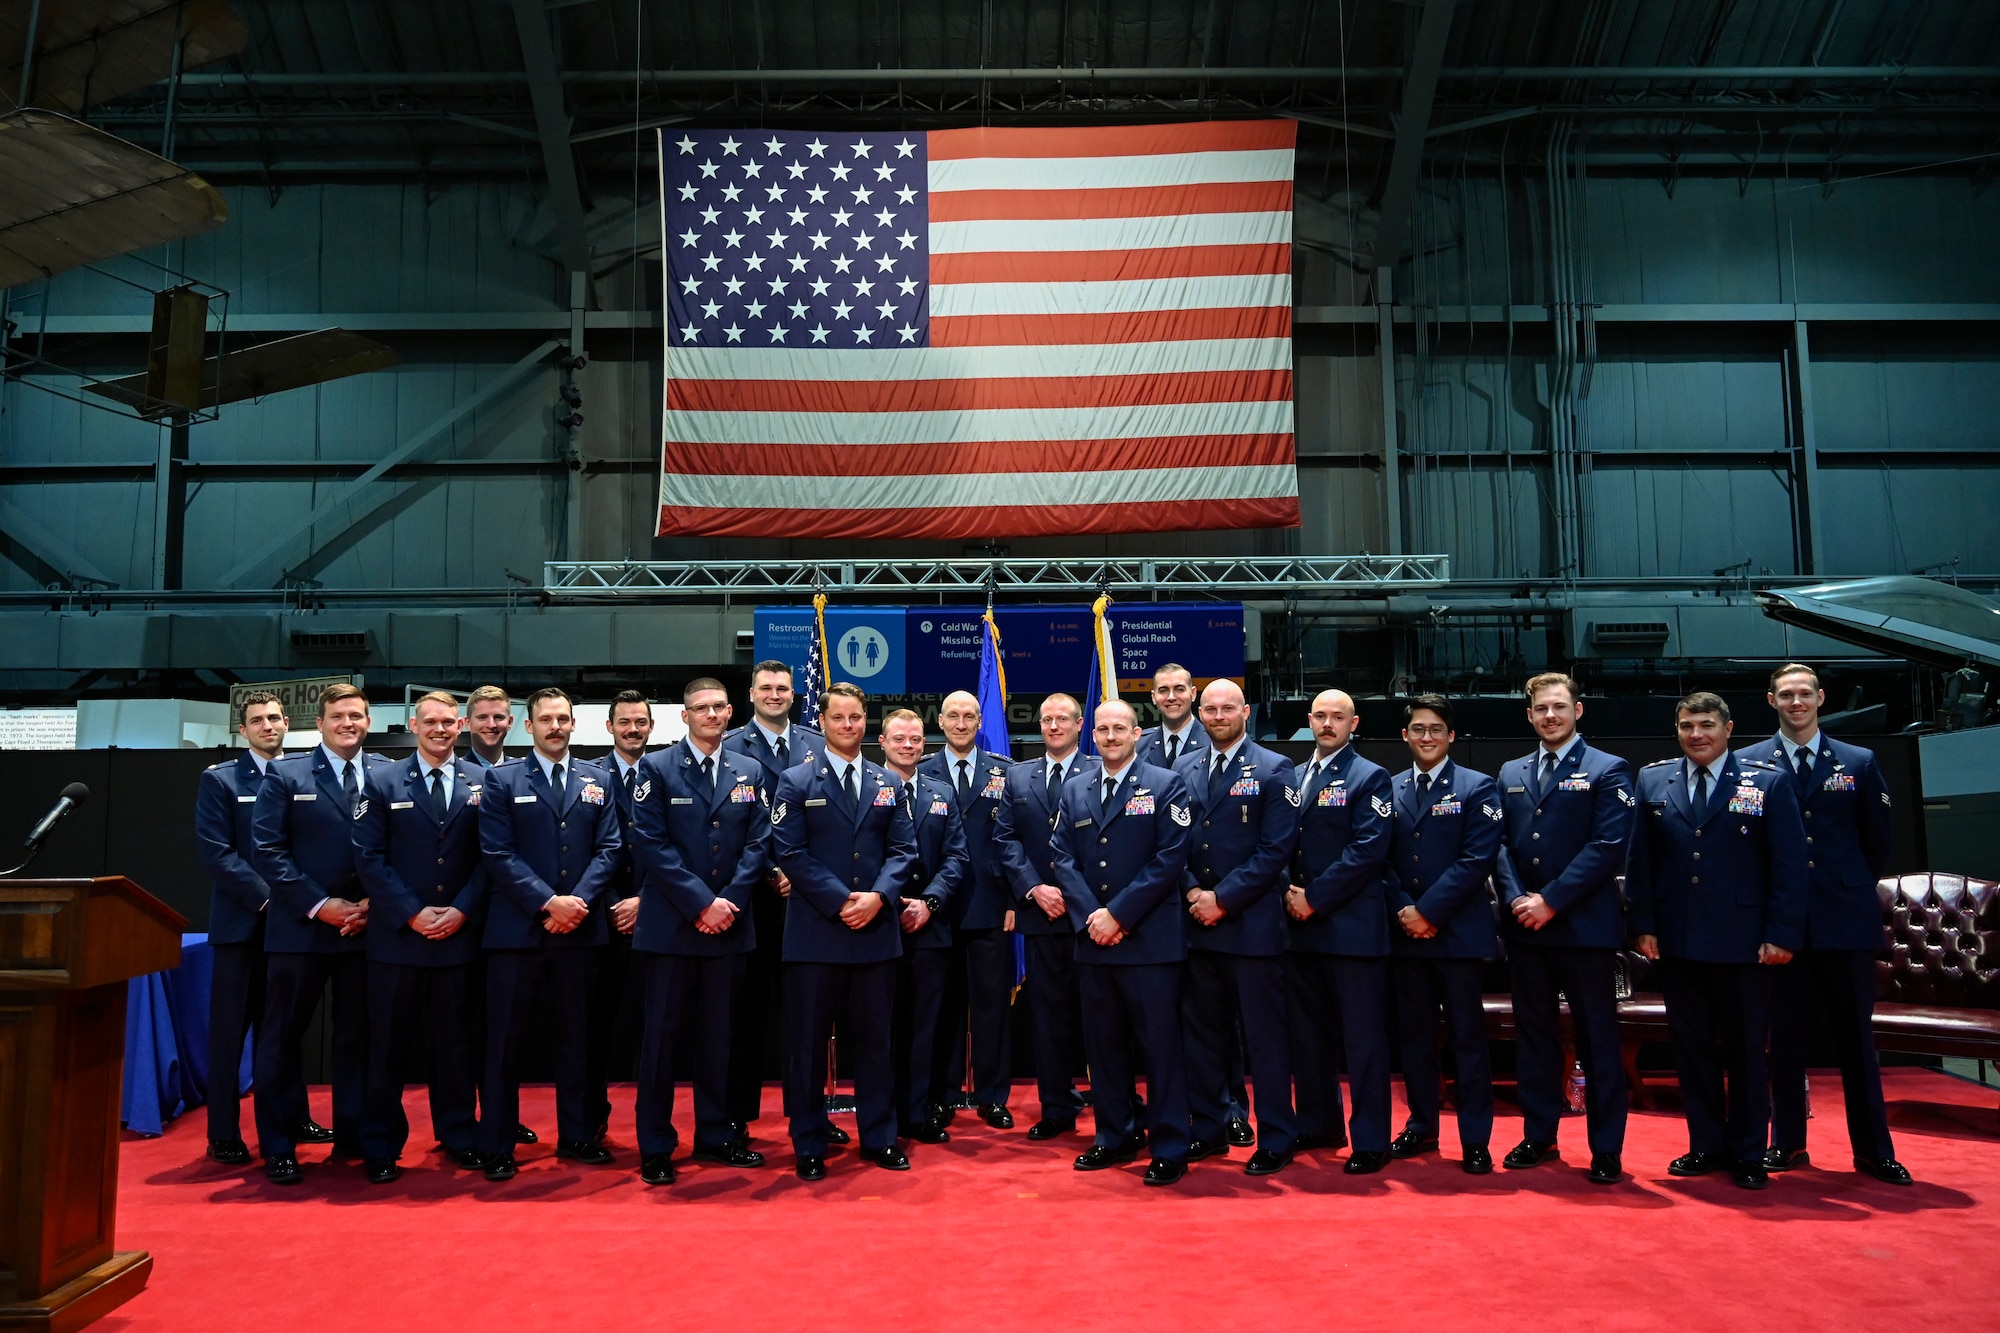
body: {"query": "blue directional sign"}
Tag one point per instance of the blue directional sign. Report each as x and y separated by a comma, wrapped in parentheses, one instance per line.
(935, 650)
(865, 643)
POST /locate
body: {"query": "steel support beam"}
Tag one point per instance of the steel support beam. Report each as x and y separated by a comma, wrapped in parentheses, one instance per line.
(503, 323)
(1413, 126)
(1805, 455)
(545, 88)
(170, 504)
(1385, 353)
(1077, 577)
(44, 546)
(351, 496)
(1303, 74)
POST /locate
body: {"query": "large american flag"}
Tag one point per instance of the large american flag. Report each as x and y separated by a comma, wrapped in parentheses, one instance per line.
(978, 333)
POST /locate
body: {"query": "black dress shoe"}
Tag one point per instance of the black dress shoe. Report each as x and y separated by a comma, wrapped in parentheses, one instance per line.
(657, 1168)
(313, 1132)
(838, 1136)
(1202, 1149)
(734, 1154)
(997, 1116)
(1365, 1163)
(1749, 1175)
(1264, 1162)
(229, 1152)
(1319, 1142)
(1049, 1129)
(383, 1171)
(1695, 1164)
(1605, 1169)
(589, 1154)
(1097, 1157)
(283, 1170)
(522, 1134)
(1164, 1172)
(501, 1167)
(1784, 1159)
(930, 1131)
(810, 1168)
(739, 1131)
(1478, 1162)
(1409, 1143)
(470, 1158)
(1528, 1153)
(1241, 1135)
(1889, 1171)
(890, 1158)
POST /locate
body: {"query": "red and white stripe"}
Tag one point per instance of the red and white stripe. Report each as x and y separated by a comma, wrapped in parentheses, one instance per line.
(1110, 326)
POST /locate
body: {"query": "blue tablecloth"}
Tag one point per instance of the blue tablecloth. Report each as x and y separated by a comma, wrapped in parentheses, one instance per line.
(166, 1040)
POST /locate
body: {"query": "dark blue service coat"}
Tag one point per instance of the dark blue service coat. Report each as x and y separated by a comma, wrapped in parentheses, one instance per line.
(535, 851)
(1566, 842)
(692, 844)
(410, 858)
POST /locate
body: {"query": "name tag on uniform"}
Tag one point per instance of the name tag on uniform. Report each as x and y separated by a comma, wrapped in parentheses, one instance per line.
(245, 800)
(1082, 823)
(1512, 790)
(529, 799)
(402, 805)
(816, 800)
(680, 800)
(305, 796)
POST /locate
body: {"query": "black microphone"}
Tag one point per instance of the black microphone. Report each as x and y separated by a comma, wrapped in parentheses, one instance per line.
(72, 796)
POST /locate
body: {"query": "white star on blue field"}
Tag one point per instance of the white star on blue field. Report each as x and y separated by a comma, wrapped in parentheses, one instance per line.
(778, 239)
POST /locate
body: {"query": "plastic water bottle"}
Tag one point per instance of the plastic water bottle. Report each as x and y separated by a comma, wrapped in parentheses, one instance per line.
(1575, 1087)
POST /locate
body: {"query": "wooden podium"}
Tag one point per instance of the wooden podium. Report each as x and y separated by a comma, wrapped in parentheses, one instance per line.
(67, 948)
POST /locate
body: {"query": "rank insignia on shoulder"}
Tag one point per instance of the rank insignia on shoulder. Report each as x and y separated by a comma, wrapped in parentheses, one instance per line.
(1626, 796)
(1490, 812)
(1291, 794)
(1885, 797)
(1178, 813)
(643, 790)
(362, 808)
(1381, 807)
(778, 815)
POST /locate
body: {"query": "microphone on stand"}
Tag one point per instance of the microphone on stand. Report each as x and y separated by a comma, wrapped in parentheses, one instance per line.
(72, 796)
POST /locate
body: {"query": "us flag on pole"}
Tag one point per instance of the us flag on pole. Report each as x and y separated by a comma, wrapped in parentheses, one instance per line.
(978, 333)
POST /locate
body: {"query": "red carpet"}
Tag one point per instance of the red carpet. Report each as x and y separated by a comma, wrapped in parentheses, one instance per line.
(993, 1232)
